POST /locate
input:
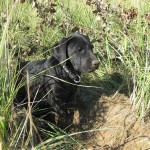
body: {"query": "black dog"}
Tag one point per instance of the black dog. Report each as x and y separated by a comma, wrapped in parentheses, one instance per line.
(53, 81)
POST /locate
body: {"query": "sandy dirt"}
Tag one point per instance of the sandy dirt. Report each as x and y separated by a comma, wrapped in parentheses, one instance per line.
(123, 130)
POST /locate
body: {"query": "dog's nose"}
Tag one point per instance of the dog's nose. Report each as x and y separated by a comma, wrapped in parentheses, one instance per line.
(95, 63)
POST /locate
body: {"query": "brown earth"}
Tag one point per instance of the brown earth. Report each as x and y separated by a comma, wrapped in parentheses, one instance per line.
(122, 129)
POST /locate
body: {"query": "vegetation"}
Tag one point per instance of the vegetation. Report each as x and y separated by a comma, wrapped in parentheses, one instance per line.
(120, 32)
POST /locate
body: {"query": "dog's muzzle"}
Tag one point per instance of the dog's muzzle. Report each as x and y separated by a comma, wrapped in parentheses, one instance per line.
(95, 64)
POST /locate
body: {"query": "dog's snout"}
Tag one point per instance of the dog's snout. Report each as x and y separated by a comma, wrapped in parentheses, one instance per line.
(95, 63)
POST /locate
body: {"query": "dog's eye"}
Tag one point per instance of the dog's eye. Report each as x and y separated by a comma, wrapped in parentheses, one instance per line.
(80, 49)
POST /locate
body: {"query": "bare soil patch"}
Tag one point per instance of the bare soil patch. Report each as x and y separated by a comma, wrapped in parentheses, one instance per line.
(111, 112)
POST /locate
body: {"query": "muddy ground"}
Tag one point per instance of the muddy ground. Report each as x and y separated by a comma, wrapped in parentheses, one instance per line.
(122, 128)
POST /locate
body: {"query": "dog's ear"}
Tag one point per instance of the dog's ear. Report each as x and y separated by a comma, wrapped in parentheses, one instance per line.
(60, 48)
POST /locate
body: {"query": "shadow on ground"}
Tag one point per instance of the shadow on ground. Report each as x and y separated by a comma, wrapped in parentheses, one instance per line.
(90, 108)
(109, 108)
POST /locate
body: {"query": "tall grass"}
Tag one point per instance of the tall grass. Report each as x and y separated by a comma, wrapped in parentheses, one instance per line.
(7, 77)
(28, 33)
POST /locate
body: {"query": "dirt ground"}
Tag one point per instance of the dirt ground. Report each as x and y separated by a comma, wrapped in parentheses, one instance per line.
(122, 129)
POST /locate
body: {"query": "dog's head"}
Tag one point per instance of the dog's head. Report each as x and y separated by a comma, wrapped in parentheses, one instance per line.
(78, 51)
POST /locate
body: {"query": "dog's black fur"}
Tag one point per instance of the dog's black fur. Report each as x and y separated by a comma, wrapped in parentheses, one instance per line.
(72, 55)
